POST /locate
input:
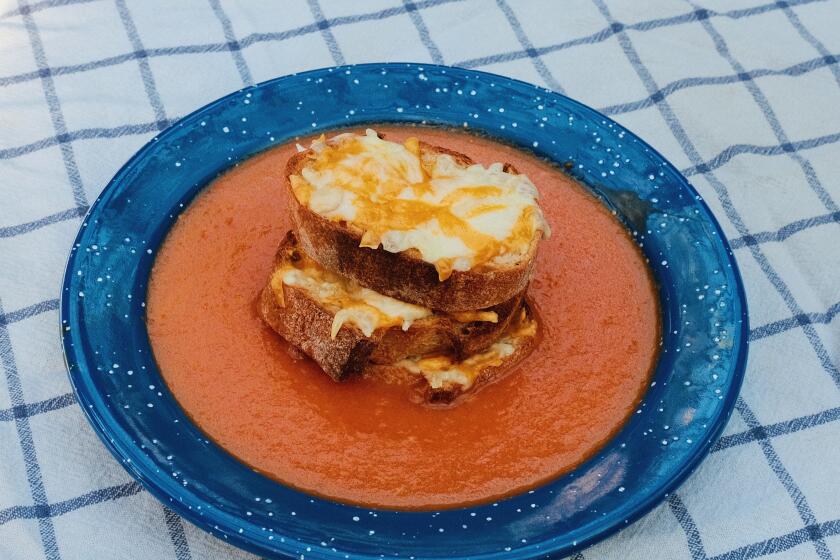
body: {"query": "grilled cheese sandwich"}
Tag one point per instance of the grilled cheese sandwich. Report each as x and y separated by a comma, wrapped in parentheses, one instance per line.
(457, 217)
(407, 258)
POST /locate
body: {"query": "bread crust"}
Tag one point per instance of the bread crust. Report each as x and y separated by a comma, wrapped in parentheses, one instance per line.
(306, 324)
(405, 275)
(307, 327)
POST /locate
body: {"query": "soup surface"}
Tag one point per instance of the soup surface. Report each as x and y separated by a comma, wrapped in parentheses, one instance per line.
(371, 443)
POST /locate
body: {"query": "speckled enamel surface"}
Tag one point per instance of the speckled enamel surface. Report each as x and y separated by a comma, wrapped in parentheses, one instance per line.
(120, 389)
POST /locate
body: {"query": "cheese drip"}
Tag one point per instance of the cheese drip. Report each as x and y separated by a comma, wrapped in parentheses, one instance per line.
(351, 303)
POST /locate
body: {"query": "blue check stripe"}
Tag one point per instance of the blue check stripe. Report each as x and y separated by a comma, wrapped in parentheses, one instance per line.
(40, 407)
(770, 115)
(796, 495)
(27, 312)
(692, 534)
(410, 8)
(56, 113)
(423, 31)
(326, 33)
(27, 444)
(48, 511)
(247, 41)
(783, 542)
(785, 231)
(809, 37)
(802, 319)
(143, 63)
(613, 29)
(769, 431)
(63, 216)
(175, 527)
(677, 85)
(523, 39)
(44, 4)
(774, 150)
(82, 134)
(234, 46)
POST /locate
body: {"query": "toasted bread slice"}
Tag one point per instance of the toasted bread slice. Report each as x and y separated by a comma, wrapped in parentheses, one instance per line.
(327, 319)
(337, 245)
(445, 378)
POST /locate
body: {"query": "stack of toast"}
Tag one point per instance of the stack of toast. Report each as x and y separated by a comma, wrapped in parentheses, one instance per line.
(407, 261)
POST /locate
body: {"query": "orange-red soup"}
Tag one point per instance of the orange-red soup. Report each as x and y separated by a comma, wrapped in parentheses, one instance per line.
(370, 443)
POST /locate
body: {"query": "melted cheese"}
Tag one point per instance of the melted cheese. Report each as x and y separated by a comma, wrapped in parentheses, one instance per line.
(349, 302)
(470, 316)
(456, 217)
(353, 304)
(441, 371)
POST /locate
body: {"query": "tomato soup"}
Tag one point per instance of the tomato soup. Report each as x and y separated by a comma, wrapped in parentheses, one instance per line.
(371, 443)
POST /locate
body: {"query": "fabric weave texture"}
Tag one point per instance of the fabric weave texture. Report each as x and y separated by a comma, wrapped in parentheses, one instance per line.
(742, 95)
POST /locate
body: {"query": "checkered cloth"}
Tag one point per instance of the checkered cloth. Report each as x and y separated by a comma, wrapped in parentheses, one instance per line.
(743, 95)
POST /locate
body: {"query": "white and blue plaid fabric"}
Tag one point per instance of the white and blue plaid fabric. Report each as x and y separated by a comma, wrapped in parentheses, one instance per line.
(742, 95)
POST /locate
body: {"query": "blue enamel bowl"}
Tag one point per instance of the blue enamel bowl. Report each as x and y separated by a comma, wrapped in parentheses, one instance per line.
(112, 368)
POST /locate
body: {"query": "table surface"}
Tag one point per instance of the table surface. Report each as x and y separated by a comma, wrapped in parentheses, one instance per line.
(742, 95)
